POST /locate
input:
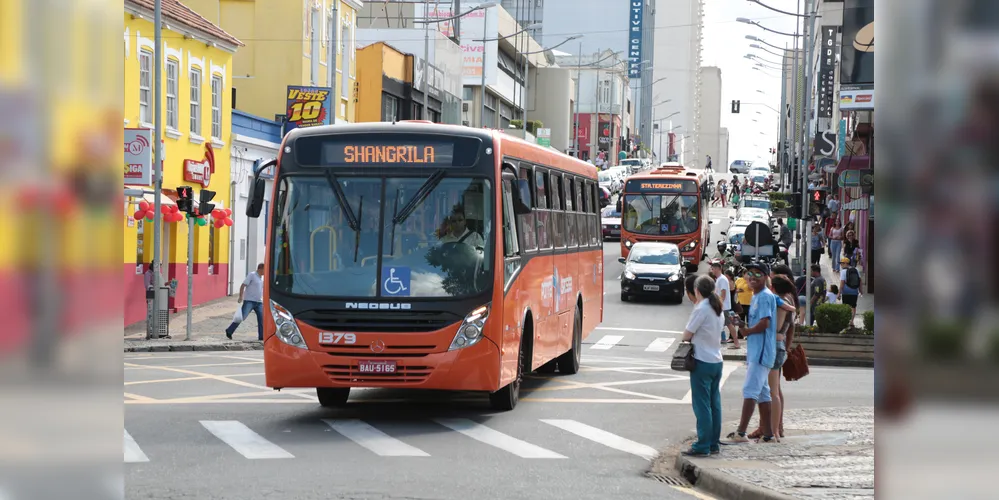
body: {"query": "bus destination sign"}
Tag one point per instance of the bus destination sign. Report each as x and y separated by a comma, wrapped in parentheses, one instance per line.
(427, 154)
(661, 186)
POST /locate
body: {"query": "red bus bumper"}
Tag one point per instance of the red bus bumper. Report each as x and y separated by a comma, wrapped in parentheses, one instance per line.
(475, 368)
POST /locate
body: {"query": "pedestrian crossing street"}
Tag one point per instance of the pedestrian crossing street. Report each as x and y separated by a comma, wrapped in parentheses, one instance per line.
(608, 342)
(353, 435)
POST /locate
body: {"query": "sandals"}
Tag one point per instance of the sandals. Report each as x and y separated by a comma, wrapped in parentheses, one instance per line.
(757, 434)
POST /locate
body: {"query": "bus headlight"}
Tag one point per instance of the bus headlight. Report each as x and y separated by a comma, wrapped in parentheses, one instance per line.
(689, 247)
(287, 329)
(627, 244)
(470, 331)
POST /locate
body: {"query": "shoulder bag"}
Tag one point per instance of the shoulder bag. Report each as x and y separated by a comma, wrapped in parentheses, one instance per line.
(683, 358)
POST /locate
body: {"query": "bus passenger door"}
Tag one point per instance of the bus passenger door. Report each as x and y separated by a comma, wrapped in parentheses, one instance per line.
(515, 296)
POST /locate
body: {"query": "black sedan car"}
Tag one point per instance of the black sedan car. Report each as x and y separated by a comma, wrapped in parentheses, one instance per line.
(653, 269)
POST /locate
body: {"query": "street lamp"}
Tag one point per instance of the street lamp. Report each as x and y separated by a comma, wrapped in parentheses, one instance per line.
(755, 57)
(754, 23)
(426, 49)
(765, 6)
(764, 49)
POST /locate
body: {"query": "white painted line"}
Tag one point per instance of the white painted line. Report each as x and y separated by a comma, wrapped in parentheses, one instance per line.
(607, 342)
(615, 329)
(605, 438)
(661, 344)
(373, 439)
(242, 439)
(495, 438)
(133, 453)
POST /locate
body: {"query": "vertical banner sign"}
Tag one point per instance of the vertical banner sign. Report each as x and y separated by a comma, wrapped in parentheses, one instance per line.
(637, 12)
(827, 72)
(138, 157)
(308, 106)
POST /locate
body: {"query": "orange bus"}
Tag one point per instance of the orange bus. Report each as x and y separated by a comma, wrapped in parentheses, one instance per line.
(667, 204)
(426, 256)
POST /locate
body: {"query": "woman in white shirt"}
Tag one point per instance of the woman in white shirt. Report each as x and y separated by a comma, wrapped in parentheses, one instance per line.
(705, 380)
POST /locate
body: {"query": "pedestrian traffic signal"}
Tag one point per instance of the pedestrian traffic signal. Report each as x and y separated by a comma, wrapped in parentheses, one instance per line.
(185, 199)
(735, 106)
(205, 206)
(796, 204)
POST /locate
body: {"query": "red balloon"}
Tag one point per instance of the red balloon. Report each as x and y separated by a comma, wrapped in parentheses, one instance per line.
(174, 209)
(218, 213)
(219, 223)
(143, 205)
(228, 222)
(139, 214)
(228, 212)
(164, 209)
(177, 216)
(150, 214)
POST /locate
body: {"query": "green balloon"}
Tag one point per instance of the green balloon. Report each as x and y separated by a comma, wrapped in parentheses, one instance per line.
(202, 222)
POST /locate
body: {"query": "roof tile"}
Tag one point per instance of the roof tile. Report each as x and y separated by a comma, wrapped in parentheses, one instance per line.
(176, 11)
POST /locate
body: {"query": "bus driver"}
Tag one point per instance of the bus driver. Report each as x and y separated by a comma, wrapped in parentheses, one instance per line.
(458, 232)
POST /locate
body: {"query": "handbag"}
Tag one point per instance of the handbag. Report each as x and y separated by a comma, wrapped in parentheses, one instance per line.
(796, 366)
(683, 358)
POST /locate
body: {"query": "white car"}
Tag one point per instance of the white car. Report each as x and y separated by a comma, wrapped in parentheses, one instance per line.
(752, 214)
(610, 181)
(622, 172)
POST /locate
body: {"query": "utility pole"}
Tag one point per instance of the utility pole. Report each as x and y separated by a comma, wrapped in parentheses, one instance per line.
(190, 274)
(795, 135)
(782, 121)
(809, 46)
(579, 81)
(157, 167)
(332, 59)
(426, 60)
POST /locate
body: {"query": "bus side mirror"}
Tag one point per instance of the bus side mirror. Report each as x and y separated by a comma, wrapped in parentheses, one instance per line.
(522, 197)
(256, 201)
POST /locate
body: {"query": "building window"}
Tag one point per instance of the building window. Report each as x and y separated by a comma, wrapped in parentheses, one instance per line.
(211, 249)
(217, 107)
(196, 101)
(506, 114)
(605, 92)
(145, 86)
(140, 244)
(345, 62)
(467, 94)
(489, 117)
(390, 108)
(172, 68)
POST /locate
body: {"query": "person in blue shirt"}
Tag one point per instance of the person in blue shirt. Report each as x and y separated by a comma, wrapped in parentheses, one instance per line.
(761, 351)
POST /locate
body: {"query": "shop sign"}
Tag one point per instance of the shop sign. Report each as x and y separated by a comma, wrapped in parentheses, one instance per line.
(200, 171)
(308, 106)
(856, 98)
(827, 71)
(138, 157)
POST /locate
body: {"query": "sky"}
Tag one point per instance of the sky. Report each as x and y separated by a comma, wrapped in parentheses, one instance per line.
(725, 45)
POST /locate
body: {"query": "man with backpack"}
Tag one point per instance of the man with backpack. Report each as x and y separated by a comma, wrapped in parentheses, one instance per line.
(850, 284)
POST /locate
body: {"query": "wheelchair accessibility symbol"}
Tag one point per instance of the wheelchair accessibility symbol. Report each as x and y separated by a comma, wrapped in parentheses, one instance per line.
(395, 281)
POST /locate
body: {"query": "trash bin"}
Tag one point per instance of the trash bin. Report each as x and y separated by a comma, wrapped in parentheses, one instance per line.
(163, 313)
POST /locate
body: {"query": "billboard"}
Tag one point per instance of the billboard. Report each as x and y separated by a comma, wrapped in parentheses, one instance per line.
(477, 25)
(858, 43)
(635, 15)
(138, 156)
(308, 106)
(827, 72)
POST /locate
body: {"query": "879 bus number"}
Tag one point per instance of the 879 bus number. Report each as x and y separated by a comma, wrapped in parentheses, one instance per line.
(337, 338)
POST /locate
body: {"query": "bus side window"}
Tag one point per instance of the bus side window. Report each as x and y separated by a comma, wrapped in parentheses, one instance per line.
(511, 244)
(571, 239)
(580, 212)
(595, 235)
(558, 209)
(541, 209)
(528, 229)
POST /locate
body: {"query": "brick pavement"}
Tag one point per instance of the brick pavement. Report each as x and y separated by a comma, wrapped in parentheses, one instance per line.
(208, 324)
(828, 454)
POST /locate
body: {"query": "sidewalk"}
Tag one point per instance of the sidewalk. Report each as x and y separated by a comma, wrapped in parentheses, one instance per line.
(208, 325)
(827, 454)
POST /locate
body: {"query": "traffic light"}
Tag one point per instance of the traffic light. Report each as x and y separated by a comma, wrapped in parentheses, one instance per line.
(794, 211)
(736, 105)
(185, 199)
(205, 206)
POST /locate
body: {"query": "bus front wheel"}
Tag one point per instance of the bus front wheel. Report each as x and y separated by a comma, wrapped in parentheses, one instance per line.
(508, 396)
(333, 397)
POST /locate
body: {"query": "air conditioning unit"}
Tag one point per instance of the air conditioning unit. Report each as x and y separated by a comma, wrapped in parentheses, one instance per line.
(464, 107)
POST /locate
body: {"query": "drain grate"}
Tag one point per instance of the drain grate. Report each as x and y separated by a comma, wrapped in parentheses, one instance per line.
(670, 480)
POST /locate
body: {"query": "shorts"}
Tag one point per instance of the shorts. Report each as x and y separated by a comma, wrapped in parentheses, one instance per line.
(757, 384)
(802, 300)
(850, 300)
(780, 359)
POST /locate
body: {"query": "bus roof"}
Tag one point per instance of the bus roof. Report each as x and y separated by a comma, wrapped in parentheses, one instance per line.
(508, 144)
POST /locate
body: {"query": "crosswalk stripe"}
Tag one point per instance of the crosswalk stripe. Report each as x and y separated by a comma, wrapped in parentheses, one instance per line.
(373, 439)
(495, 438)
(133, 453)
(661, 344)
(242, 439)
(607, 342)
(605, 438)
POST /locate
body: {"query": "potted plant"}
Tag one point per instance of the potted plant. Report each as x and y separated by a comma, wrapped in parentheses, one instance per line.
(869, 322)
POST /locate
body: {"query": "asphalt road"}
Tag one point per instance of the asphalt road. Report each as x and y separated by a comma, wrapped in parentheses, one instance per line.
(203, 425)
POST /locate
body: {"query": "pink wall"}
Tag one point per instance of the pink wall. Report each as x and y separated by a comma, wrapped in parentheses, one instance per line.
(207, 287)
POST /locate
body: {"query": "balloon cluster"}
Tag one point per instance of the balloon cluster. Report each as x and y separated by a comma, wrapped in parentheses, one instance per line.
(147, 211)
(222, 216)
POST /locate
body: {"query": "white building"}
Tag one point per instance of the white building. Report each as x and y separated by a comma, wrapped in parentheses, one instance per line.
(255, 140)
(677, 60)
(708, 134)
(721, 164)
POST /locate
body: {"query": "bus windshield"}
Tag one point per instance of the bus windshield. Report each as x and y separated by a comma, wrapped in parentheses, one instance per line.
(440, 247)
(661, 214)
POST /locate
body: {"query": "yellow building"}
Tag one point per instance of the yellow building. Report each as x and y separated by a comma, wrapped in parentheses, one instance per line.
(272, 60)
(198, 71)
(385, 84)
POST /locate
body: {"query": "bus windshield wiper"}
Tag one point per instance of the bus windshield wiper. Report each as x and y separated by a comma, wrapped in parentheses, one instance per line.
(348, 213)
(395, 213)
(421, 194)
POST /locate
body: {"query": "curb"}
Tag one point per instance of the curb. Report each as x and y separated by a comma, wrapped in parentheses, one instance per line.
(192, 346)
(848, 363)
(723, 485)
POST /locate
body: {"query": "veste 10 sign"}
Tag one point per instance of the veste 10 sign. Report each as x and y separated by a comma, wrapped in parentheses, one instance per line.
(308, 106)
